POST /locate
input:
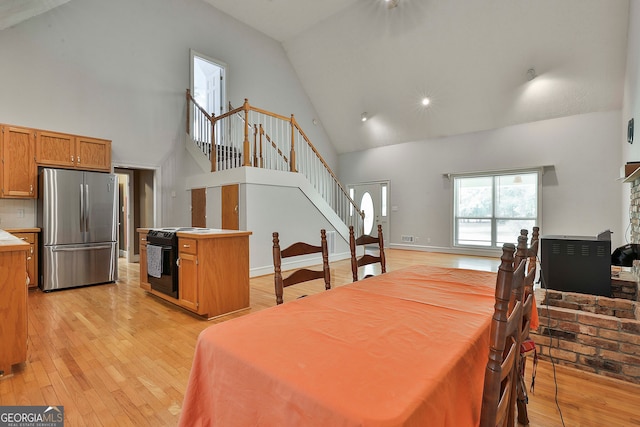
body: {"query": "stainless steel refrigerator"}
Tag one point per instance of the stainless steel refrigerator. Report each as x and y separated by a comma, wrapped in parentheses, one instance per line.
(78, 214)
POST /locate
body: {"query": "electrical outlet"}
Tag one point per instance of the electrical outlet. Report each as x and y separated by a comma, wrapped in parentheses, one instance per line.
(20, 213)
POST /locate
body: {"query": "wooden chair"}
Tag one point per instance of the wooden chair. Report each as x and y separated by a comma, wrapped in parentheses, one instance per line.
(303, 274)
(501, 375)
(527, 345)
(367, 258)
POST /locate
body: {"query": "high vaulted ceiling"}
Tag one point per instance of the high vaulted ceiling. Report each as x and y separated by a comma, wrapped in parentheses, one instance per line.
(13, 12)
(469, 57)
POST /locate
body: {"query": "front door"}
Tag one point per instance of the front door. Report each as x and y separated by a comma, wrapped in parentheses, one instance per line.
(372, 198)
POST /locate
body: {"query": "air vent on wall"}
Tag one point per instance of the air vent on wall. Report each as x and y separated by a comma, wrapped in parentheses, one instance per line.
(331, 241)
(407, 239)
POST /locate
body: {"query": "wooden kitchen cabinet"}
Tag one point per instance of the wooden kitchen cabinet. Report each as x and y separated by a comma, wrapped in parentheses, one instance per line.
(55, 149)
(32, 256)
(72, 151)
(22, 150)
(93, 154)
(19, 171)
(144, 280)
(213, 273)
(188, 274)
(13, 304)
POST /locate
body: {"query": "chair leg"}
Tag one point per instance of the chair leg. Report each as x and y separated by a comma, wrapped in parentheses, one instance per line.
(522, 400)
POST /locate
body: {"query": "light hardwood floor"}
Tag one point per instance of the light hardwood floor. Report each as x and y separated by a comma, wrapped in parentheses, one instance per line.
(114, 355)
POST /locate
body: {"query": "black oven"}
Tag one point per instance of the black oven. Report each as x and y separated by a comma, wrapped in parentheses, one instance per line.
(162, 256)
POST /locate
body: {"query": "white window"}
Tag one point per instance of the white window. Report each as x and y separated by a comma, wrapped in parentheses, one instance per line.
(208, 89)
(491, 209)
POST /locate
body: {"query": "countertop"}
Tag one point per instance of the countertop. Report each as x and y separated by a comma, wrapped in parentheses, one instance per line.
(9, 243)
(23, 230)
(200, 233)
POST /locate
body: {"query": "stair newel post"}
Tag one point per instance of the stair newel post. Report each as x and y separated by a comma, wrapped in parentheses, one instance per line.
(292, 155)
(261, 143)
(246, 146)
(255, 145)
(214, 152)
(188, 112)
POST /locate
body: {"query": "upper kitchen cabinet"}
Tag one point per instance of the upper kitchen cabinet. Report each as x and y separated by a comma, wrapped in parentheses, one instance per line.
(70, 151)
(55, 149)
(19, 171)
(93, 154)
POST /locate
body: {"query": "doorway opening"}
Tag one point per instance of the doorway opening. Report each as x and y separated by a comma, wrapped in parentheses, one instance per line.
(136, 208)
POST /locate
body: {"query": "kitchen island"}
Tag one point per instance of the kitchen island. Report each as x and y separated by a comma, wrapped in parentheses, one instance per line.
(13, 304)
(212, 268)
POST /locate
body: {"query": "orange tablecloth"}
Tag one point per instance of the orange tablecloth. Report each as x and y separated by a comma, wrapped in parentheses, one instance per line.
(407, 348)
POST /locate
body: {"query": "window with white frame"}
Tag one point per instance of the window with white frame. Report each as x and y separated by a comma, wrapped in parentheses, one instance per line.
(491, 209)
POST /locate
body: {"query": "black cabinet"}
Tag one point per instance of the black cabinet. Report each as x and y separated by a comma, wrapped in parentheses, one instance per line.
(576, 264)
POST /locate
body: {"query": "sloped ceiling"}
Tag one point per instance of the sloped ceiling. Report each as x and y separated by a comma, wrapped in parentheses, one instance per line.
(13, 12)
(469, 57)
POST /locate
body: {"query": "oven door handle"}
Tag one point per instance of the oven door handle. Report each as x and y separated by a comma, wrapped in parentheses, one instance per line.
(178, 261)
(159, 245)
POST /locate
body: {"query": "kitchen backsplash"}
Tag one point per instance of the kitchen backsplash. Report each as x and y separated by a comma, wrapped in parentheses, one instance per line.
(17, 213)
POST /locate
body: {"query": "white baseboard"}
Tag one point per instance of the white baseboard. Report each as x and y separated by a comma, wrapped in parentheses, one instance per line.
(291, 265)
(447, 250)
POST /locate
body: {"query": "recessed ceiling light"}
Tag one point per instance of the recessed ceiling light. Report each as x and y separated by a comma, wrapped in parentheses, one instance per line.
(391, 3)
(425, 101)
(364, 116)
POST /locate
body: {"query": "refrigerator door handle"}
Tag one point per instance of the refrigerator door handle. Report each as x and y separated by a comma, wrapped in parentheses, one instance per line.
(86, 207)
(81, 209)
(80, 248)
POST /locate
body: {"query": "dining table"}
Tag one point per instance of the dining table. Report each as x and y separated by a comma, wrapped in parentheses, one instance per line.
(405, 348)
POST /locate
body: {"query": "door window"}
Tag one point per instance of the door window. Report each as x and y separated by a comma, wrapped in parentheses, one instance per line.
(366, 204)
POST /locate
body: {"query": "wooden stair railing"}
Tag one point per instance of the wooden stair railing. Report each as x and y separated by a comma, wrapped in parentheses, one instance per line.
(278, 143)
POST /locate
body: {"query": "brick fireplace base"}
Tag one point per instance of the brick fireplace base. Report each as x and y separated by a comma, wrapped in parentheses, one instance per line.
(591, 333)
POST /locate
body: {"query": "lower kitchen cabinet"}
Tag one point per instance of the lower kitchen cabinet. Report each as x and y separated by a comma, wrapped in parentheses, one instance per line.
(13, 304)
(188, 274)
(213, 272)
(144, 280)
(32, 256)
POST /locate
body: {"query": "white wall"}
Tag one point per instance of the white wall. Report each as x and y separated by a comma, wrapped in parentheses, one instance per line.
(119, 69)
(289, 212)
(580, 196)
(274, 201)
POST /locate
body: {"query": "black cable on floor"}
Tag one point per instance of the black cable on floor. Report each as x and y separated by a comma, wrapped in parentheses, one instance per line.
(553, 365)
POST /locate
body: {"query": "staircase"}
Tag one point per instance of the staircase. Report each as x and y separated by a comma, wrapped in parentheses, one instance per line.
(251, 137)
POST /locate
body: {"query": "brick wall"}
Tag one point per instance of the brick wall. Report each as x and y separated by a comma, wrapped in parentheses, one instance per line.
(634, 211)
(591, 333)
